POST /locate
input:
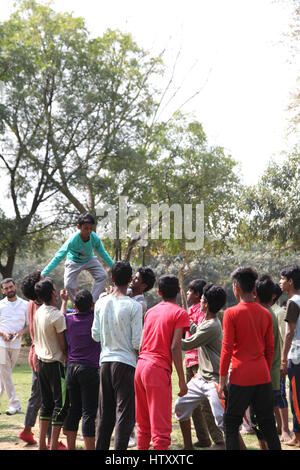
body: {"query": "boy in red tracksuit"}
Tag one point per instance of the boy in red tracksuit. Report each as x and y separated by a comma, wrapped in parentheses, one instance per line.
(248, 344)
(164, 326)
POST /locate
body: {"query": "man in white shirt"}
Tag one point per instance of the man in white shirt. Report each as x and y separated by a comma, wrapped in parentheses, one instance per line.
(13, 324)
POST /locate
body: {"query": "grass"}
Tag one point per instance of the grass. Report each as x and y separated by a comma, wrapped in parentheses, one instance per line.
(10, 426)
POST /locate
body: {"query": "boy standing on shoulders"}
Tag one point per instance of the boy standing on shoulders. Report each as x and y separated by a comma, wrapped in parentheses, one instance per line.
(249, 344)
(51, 349)
(290, 357)
(164, 326)
(79, 250)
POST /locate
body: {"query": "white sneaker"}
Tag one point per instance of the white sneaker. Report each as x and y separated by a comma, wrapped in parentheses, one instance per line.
(12, 411)
(132, 440)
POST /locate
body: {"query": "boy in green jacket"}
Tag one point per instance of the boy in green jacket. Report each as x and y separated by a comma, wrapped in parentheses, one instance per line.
(79, 250)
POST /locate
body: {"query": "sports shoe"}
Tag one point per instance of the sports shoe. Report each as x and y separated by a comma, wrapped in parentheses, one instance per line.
(60, 446)
(12, 411)
(27, 437)
(132, 440)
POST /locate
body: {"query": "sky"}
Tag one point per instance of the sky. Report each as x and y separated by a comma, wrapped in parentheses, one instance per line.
(232, 56)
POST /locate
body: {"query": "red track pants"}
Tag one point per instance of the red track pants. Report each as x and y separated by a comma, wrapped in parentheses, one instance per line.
(153, 403)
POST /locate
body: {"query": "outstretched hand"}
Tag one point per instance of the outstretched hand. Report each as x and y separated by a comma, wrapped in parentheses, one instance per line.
(64, 295)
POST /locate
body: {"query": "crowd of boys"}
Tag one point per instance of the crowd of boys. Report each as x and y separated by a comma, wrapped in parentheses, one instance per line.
(108, 363)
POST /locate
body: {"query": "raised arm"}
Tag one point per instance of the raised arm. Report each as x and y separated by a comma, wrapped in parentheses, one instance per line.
(98, 245)
(57, 258)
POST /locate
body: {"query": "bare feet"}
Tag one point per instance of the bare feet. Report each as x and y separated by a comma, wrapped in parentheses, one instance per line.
(285, 437)
(293, 442)
(202, 444)
(220, 446)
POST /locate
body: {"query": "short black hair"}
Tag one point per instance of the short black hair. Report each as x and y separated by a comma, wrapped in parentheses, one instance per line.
(28, 282)
(245, 277)
(84, 300)
(292, 272)
(215, 296)
(44, 289)
(121, 272)
(197, 286)
(7, 280)
(265, 288)
(148, 277)
(168, 285)
(277, 292)
(86, 218)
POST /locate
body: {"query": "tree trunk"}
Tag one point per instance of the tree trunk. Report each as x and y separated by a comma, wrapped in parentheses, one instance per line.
(7, 269)
(184, 302)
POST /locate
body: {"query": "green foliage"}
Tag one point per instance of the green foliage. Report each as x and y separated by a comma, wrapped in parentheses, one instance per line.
(272, 207)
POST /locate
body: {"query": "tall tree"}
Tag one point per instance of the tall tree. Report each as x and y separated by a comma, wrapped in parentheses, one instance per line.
(270, 209)
(72, 108)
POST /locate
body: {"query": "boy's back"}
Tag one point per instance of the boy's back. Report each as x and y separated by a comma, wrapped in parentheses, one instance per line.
(82, 348)
(247, 326)
(118, 327)
(160, 323)
(47, 324)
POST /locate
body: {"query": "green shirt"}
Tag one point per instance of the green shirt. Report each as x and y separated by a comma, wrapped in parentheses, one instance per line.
(280, 314)
(207, 337)
(79, 251)
(275, 369)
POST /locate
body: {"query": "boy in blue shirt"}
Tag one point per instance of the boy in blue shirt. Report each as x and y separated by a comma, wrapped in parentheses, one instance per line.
(79, 250)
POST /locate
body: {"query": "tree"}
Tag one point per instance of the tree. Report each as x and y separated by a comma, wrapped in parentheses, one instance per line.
(72, 108)
(188, 172)
(295, 49)
(271, 209)
(79, 127)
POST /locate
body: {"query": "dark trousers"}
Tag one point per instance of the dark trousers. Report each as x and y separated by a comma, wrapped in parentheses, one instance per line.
(260, 397)
(83, 389)
(55, 401)
(116, 405)
(34, 404)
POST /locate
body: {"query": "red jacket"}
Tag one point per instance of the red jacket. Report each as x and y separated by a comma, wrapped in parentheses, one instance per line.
(248, 343)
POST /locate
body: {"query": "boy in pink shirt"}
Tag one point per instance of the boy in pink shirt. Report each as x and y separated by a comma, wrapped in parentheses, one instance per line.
(164, 326)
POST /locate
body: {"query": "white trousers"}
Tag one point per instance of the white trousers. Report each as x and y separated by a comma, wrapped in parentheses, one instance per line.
(72, 271)
(198, 388)
(6, 381)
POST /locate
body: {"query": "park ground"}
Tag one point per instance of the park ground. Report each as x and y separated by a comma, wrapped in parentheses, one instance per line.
(10, 426)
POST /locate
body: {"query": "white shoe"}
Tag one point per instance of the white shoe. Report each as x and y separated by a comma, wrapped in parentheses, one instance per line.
(132, 440)
(12, 411)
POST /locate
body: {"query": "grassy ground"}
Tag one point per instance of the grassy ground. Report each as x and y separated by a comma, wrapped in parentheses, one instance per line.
(10, 426)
